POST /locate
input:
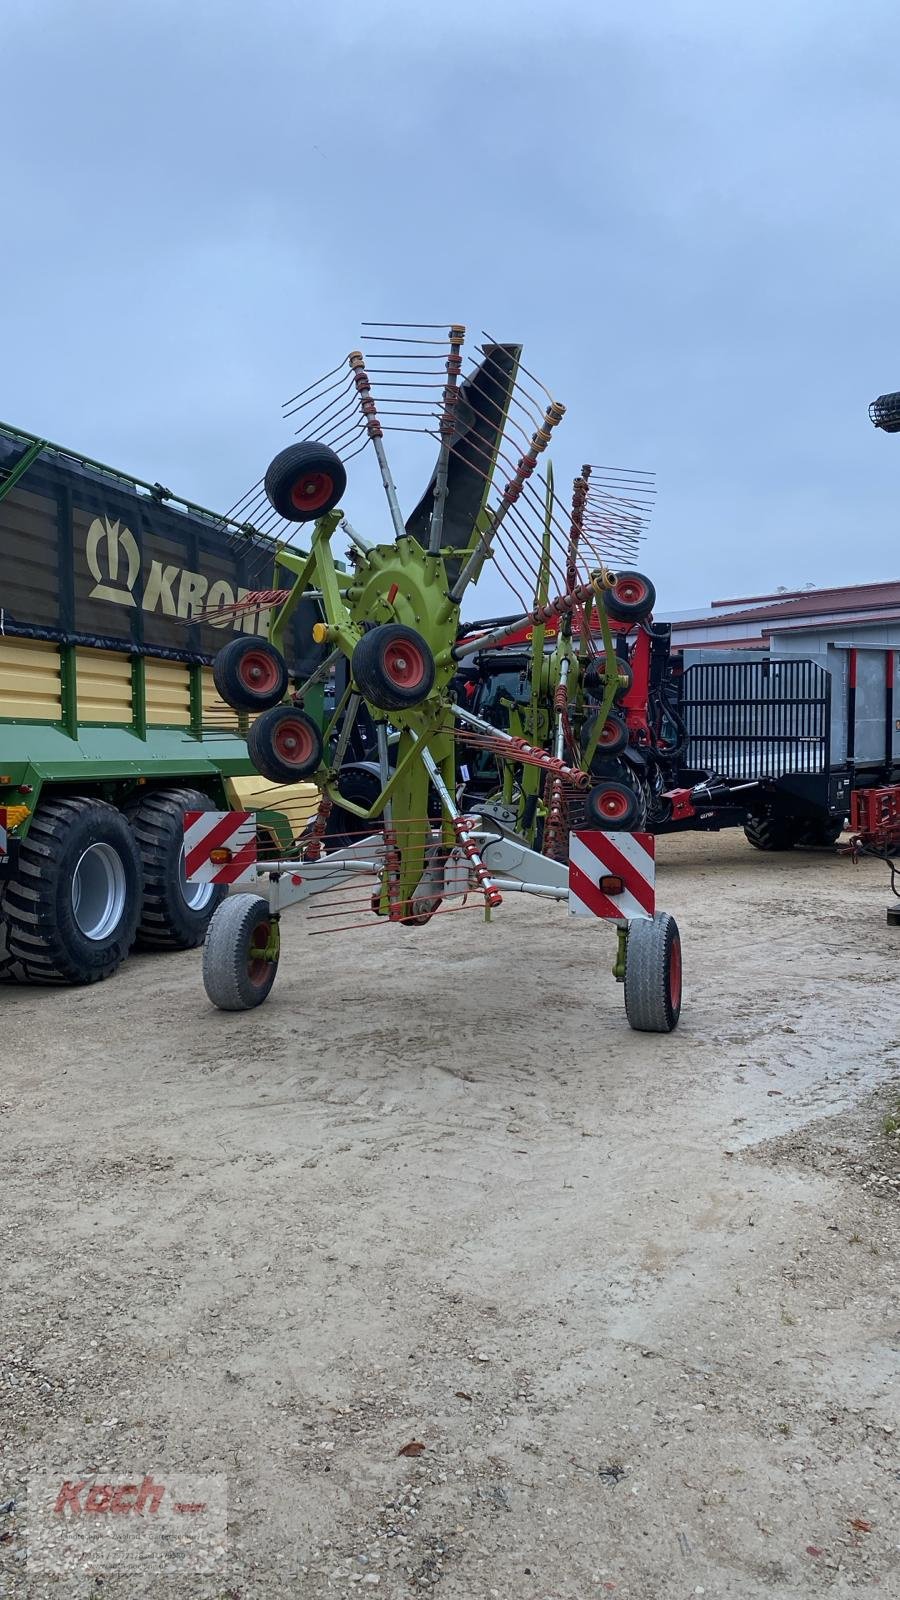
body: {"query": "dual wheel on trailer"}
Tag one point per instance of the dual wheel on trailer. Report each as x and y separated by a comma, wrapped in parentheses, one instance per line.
(93, 881)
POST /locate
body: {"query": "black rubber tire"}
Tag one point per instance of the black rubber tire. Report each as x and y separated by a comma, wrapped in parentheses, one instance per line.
(377, 659)
(613, 738)
(595, 682)
(614, 807)
(270, 741)
(422, 910)
(231, 979)
(168, 921)
(770, 833)
(7, 964)
(631, 598)
(44, 942)
(305, 481)
(822, 834)
(653, 974)
(362, 785)
(244, 659)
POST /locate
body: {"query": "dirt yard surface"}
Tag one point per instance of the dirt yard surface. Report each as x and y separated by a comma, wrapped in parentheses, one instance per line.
(636, 1296)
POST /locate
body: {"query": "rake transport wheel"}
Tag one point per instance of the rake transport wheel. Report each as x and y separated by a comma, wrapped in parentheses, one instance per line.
(653, 974)
(175, 914)
(305, 481)
(393, 667)
(423, 904)
(631, 598)
(595, 677)
(285, 745)
(250, 674)
(240, 956)
(71, 912)
(361, 785)
(614, 807)
(613, 735)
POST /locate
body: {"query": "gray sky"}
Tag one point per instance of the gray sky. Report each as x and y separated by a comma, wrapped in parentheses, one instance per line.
(687, 212)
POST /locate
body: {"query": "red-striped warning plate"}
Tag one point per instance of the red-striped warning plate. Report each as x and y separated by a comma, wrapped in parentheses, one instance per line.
(630, 856)
(234, 831)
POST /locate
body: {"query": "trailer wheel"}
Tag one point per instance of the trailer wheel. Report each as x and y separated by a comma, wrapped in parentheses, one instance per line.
(305, 481)
(393, 667)
(250, 674)
(7, 963)
(240, 956)
(613, 735)
(175, 914)
(770, 833)
(820, 834)
(653, 974)
(613, 806)
(631, 598)
(285, 745)
(72, 910)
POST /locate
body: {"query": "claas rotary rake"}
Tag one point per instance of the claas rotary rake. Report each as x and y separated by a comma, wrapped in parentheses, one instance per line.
(396, 840)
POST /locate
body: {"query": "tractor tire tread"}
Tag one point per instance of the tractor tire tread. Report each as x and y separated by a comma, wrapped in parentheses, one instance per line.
(34, 949)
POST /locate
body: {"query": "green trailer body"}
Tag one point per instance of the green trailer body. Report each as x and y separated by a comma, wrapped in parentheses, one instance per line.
(110, 724)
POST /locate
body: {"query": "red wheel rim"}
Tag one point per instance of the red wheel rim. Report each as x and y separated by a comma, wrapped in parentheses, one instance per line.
(631, 591)
(609, 733)
(258, 964)
(404, 664)
(612, 805)
(675, 974)
(293, 742)
(258, 672)
(312, 491)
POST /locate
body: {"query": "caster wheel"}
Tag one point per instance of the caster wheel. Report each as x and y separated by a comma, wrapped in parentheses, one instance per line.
(240, 956)
(250, 674)
(393, 667)
(653, 974)
(631, 598)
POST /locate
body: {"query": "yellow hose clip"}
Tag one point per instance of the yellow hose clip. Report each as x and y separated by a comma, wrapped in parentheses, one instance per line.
(602, 579)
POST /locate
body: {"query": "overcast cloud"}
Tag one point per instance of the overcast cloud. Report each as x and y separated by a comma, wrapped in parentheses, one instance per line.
(687, 212)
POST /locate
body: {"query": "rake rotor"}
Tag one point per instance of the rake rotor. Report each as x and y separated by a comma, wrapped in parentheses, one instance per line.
(496, 421)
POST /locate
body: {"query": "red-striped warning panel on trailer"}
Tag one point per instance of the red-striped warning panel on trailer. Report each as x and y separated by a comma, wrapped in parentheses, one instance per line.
(231, 835)
(629, 857)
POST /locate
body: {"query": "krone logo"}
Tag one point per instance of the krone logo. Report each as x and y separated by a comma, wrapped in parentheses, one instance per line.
(110, 545)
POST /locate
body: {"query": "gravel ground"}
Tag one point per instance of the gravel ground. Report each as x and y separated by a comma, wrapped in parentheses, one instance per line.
(634, 1296)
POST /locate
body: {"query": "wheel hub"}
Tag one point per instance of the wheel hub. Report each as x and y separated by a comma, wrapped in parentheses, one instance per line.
(99, 891)
(196, 896)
